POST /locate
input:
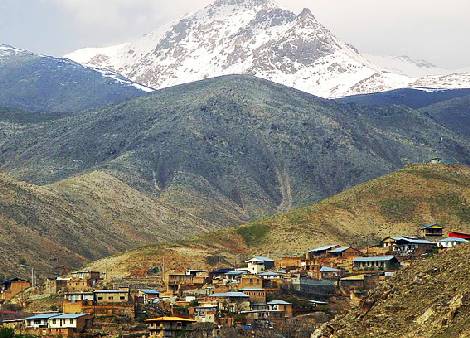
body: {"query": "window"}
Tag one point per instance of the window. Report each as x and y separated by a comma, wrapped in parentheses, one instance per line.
(122, 298)
(54, 321)
(71, 321)
(110, 298)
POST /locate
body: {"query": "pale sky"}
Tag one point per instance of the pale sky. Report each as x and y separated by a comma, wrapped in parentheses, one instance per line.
(435, 30)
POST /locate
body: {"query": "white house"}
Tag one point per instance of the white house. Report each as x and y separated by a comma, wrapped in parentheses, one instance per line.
(450, 242)
(259, 264)
(68, 321)
(39, 320)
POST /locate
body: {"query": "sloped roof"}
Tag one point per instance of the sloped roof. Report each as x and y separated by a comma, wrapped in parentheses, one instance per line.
(328, 269)
(278, 302)
(260, 259)
(323, 248)
(374, 259)
(69, 316)
(354, 278)
(269, 274)
(433, 225)
(453, 239)
(43, 316)
(413, 240)
(231, 294)
(339, 249)
(151, 292)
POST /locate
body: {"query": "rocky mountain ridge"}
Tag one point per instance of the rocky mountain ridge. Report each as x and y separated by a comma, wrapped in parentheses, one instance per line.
(257, 38)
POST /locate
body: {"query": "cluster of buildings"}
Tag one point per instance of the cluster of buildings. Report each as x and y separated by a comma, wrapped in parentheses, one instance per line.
(263, 293)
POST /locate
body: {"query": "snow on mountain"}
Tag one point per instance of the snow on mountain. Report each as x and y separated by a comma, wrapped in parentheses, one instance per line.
(251, 37)
(407, 66)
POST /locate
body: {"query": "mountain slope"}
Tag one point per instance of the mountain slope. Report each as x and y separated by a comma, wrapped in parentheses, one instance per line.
(392, 205)
(428, 299)
(245, 146)
(453, 113)
(413, 98)
(81, 219)
(254, 37)
(43, 83)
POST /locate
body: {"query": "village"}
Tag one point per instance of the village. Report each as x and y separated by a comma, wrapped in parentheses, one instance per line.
(263, 294)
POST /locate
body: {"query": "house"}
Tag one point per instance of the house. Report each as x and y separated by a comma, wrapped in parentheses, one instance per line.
(432, 230)
(451, 242)
(320, 251)
(83, 280)
(190, 279)
(327, 272)
(169, 327)
(69, 325)
(206, 313)
(56, 285)
(377, 263)
(436, 160)
(259, 264)
(39, 320)
(251, 281)
(111, 296)
(344, 252)
(408, 246)
(232, 277)
(285, 308)
(257, 295)
(78, 302)
(149, 295)
(232, 301)
(12, 287)
(349, 283)
(289, 263)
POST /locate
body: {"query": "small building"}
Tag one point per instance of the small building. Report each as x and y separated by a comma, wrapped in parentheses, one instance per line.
(232, 301)
(149, 295)
(281, 306)
(451, 242)
(259, 264)
(344, 252)
(432, 230)
(436, 160)
(320, 251)
(327, 272)
(78, 322)
(408, 246)
(289, 263)
(251, 281)
(111, 296)
(257, 295)
(39, 320)
(206, 313)
(169, 327)
(377, 263)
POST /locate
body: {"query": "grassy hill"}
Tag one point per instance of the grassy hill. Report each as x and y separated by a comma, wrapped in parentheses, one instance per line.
(81, 219)
(428, 299)
(394, 204)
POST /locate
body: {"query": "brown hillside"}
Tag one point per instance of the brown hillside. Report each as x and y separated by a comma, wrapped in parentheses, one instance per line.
(391, 205)
(428, 299)
(83, 218)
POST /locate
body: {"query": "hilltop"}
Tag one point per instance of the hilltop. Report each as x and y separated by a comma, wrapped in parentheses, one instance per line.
(391, 205)
(428, 299)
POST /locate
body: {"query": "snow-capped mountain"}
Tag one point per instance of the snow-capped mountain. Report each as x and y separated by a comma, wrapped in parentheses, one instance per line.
(406, 65)
(248, 37)
(44, 83)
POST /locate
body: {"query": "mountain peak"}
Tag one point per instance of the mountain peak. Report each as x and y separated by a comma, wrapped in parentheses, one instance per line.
(245, 3)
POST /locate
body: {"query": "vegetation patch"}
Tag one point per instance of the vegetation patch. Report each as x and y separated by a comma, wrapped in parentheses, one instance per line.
(254, 233)
(398, 209)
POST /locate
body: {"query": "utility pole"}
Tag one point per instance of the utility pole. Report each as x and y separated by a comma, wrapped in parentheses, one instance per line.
(32, 277)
